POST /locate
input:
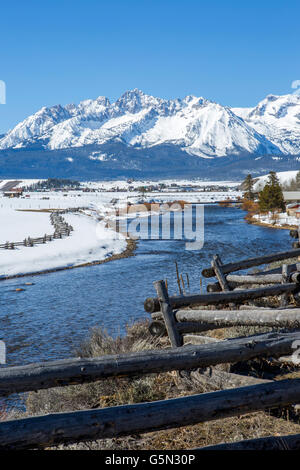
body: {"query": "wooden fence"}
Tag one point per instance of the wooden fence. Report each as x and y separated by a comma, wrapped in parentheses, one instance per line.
(57, 428)
(251, 394)
(61, 229)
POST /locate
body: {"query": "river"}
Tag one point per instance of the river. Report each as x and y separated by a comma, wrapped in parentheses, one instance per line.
(49, 319)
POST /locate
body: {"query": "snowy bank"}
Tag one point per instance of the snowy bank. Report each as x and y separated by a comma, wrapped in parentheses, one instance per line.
(90, 241)
(17, 225)
(280, 220)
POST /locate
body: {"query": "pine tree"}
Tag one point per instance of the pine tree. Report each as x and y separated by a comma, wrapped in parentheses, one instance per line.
(248, 186)
(271, 197)
(298, 180)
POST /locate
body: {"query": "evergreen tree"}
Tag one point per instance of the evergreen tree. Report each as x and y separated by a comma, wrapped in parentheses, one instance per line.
(248, 187)
(271, 197)
(298, 180)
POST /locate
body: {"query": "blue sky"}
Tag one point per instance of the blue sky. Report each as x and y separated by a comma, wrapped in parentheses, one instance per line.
(65, 51)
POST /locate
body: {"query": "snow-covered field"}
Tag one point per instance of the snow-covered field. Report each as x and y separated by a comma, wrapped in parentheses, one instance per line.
(122, 184)
(81, 199)
(17, 225)
(90, 240)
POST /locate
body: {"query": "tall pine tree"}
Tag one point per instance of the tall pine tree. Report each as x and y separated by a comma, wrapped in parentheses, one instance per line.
(271, 197)
(248, 187)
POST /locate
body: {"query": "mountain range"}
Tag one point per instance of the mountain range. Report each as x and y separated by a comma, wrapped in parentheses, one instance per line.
(141, 135)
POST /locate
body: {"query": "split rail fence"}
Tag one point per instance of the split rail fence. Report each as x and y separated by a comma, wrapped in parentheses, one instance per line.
(243, 394)
(61, 229)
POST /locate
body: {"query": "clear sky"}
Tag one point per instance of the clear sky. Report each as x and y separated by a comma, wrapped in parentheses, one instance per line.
(61, 51)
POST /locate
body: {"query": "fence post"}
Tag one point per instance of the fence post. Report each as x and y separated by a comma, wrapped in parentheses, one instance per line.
(166, 309)
(178, 280)
(217, 266)
(285, 278)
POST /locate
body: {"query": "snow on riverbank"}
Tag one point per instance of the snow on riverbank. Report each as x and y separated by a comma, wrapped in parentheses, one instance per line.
(90, 241)
(17, 225)
(279, 221)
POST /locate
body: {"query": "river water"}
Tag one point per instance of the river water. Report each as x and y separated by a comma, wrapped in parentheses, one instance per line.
(49, 319)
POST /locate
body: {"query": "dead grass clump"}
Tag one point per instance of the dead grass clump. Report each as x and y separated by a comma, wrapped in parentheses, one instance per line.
(278, 264)
(109, 392)
(223, 430)
(100, 343)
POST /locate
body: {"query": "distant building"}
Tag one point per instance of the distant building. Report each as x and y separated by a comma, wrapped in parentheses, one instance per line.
(13, 193)
(292, 209)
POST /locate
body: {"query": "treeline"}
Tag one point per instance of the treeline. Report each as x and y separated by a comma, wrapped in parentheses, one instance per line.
(53, 183)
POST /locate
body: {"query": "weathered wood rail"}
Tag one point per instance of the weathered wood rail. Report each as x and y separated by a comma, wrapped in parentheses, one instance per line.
(75, 371)
(282, 283)
(58, 428)
(235, 280)
(52, 429)
(152, 305)
(287, 318)
(251, 262)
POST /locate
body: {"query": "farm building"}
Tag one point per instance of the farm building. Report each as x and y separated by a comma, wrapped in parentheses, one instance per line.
(13, 193)
(292, 209)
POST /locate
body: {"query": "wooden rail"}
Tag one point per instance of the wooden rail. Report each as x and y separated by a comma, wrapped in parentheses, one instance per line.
(75, 371)
(52, 429)
(249, 263)
(152, 305)
(287, 318)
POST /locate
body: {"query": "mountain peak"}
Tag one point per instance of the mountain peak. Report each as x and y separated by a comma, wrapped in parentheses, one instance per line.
(195, 124)
(132, 94)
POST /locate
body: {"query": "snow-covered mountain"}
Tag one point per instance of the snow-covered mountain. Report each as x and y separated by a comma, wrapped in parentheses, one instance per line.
(141, 132)
(199, 126)
(278, 119)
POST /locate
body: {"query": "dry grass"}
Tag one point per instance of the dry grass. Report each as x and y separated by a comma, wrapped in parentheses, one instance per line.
(277, 264)
(109, 392)
(151, 387)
